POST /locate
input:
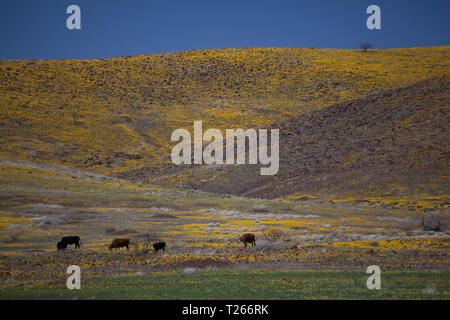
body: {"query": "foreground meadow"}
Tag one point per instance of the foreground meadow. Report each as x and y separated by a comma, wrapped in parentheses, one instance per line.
(245, 284)
(320, 250)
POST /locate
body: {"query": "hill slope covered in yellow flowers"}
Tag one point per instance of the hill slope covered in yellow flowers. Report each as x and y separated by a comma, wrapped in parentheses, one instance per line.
(390, 148)
(115, 116)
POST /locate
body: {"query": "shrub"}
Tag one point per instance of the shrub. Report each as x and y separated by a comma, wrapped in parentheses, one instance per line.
(272, 235)
(146, 240)
(75, 115)
(15, 237)
(431, 223)
(364, 46)
(110, 230)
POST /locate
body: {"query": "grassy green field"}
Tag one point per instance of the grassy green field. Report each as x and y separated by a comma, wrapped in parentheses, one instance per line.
(233, 284)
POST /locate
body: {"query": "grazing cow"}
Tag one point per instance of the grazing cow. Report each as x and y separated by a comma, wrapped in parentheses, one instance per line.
(159, 245)
(248, 238)
(119, 243)
(62, 245)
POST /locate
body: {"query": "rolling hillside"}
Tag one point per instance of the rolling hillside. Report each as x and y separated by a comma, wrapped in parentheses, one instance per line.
(391, 147)
(351, 122)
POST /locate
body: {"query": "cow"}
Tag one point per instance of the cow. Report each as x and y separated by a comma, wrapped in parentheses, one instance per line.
(62, 244)
(119, 243)
(248, 238)
(159, 245)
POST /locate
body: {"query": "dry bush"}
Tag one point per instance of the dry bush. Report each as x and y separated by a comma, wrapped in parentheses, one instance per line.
(75, 115)
(432, 223)
(409, 227)
(365, 46)
(110, 230)
(272, 235)
(146, 240)
(13, 238)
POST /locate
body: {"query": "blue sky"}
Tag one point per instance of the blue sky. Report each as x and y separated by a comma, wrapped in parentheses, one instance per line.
(33, 29)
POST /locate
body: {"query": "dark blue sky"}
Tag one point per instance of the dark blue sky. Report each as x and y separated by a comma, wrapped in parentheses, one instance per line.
(36, 29)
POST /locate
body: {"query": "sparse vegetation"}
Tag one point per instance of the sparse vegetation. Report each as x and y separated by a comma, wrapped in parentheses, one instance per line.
(146, 240)
(431, 222)
(110, 230)
(13, 238)
(75, 114)
(364, 46)
(272, 235)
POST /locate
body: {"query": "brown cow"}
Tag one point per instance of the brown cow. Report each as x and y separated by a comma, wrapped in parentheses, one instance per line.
(118, 243)
(248, 238)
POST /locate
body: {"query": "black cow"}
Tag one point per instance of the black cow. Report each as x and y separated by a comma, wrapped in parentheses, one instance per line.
(62, 245)
(159, 245)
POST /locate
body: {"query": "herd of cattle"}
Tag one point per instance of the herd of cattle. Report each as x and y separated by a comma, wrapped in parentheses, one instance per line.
(125, 242)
